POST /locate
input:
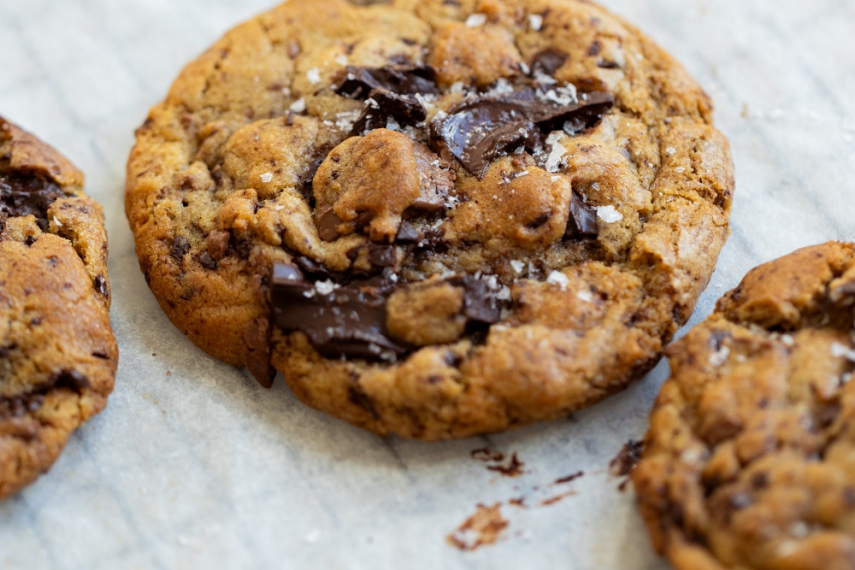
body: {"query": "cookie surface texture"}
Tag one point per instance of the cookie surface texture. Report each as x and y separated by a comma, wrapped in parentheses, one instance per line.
(437, 219)
(58, 355)
(749, 459)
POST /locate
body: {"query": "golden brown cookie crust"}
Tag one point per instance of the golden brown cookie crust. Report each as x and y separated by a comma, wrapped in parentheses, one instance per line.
(58, 355)
(217, 193)
(749, 459)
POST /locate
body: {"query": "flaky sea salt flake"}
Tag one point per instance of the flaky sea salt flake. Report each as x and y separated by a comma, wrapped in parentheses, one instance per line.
(314, 75)
(298, 106)
(609, 214)
(266, 177)
(476, 20)
(535, 22)
(838, 350)
(558, 278)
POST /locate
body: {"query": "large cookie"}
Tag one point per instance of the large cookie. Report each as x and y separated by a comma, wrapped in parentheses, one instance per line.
(750, 458)
(436, 218)
(58, 355)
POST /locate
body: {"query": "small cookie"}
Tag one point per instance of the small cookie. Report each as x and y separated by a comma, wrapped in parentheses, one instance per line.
(750, 457)
(436, 218)
(58, 355)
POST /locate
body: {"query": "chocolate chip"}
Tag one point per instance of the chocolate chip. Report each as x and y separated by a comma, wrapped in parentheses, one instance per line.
(583, 220)
(407, 233)
(28, 195)
(594, 49)
(359, 82)
(405, 110)
(101, 285)
(478, 130)
(344, 322)
(180, 246)
(30, 240)
(327, 223)
(548, 62)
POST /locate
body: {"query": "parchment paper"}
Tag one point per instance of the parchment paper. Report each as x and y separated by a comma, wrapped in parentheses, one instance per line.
(193, 465)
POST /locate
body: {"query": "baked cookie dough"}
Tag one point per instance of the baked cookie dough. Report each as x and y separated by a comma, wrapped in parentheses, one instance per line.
(58, 355)
(436, 218)
(750, 458)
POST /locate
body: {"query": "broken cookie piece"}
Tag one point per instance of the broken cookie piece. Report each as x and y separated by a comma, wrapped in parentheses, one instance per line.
(58, 355)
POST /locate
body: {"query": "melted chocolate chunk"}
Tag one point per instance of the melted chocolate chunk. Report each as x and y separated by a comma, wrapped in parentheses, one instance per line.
(404, 109)
(359, 82)
(477, 131)
(583, 220)
(28, 195)
(345, 322)
(548, 62)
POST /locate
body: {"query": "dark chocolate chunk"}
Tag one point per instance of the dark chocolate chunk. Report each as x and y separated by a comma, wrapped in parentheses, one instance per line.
(359, 82)
(548, 62)
(312, 268)
(327, 223)
(404, 109)
(583, 220)
(22, 195)
(180, 246)
(479, 303)
(382, 255)
(257, 355)
(286, 272)
(342, 322)
(407, 233)
(478, 130)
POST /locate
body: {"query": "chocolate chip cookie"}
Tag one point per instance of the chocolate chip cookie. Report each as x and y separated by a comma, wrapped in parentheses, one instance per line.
(58, 355)
(435, 218)
(750, 458)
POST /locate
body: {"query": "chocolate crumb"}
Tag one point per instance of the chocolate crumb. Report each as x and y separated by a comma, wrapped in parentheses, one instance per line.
(569, 478)
(512, 469)
(626, 461)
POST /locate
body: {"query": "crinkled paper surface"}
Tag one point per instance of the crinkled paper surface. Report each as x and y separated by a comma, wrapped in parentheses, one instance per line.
(193, 465)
